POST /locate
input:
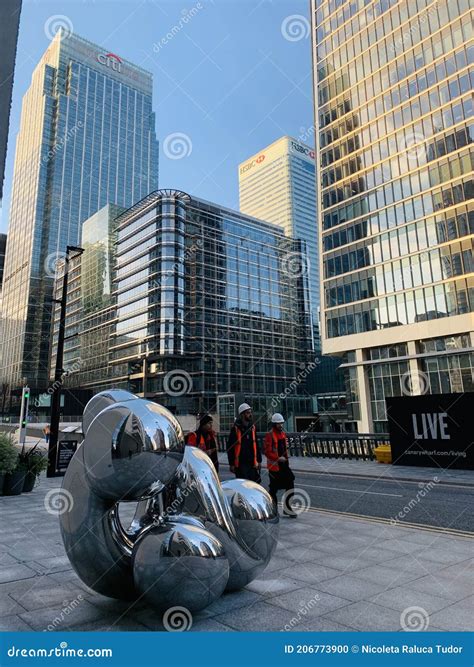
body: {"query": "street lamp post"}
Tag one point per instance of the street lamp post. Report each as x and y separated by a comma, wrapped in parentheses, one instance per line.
(58, 370)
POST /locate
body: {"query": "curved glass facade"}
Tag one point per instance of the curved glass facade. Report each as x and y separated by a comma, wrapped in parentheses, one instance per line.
(395, 136)
(202, 289)
(200, 293)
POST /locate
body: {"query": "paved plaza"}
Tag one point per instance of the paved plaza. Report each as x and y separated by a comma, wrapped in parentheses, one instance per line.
(329, 573)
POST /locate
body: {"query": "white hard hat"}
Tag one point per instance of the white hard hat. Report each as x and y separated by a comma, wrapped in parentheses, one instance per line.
(277, 418)
(243, 407)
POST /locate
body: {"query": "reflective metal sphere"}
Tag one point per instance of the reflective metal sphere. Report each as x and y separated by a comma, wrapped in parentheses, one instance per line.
(255, 516)
(191, 538)
(132, 450)
(90, 539)
(239, 513)
(248, 500)
(180, 564)
(101, 401)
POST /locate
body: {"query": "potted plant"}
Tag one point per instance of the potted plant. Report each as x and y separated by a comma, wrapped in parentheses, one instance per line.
(34, 463)
(8, 459)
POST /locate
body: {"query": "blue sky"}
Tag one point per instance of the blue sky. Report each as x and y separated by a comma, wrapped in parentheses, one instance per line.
(232, 79)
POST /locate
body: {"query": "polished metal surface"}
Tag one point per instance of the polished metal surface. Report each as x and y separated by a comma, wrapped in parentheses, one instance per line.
(239, 513)
(190, 537)
(100, 401)
(136, 451)
(180, 563)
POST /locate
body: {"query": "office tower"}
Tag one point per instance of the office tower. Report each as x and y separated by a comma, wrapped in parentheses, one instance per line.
(394, 109)
(10, 22)
(204, 310)
(3, 247)
(90, 305)
(278, 184)
(87, 138)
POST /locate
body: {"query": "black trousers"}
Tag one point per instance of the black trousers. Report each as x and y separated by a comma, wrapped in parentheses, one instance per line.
(283, 480)
(248, 472)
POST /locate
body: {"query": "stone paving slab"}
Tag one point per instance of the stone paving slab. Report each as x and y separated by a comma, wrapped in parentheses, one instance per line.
(329, 573)
(366, 616)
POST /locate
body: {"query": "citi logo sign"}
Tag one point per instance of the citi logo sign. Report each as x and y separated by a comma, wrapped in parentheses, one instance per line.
(249, 165)
(110, 60)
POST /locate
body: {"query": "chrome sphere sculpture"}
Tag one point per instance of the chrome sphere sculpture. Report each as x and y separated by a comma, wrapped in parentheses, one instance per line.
(191, 537)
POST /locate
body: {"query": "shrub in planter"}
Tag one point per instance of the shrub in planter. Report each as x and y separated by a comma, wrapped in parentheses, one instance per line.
(14, 481)
(34, 463)
(8, 457)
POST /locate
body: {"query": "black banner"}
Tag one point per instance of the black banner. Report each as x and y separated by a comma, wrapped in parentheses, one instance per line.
(433, 430)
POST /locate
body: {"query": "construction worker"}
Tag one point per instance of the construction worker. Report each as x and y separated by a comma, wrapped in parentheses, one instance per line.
(205, 438)
(243, 451)
(275, 446)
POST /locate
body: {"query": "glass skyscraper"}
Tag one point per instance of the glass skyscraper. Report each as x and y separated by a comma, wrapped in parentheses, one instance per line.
(278, 185)
(87, 138)
(202, 307)
(395, 131)
(10, 21)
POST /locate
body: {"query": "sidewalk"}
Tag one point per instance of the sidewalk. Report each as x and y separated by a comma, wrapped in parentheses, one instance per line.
(309, 464)
(329, 573)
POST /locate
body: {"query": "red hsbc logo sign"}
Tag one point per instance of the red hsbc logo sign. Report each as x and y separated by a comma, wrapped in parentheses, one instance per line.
(110, 60)
(251, 164)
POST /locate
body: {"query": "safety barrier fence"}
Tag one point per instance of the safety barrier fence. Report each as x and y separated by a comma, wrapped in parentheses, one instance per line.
(329, 445)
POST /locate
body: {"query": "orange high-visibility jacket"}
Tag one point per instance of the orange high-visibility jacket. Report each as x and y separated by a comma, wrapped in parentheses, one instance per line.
(270, 448)
(193, 441)
(238, 446)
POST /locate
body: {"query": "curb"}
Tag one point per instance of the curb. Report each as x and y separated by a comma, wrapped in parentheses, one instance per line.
(467, 485)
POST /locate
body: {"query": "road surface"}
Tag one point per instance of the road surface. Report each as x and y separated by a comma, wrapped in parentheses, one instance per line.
(447, 506)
